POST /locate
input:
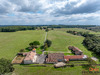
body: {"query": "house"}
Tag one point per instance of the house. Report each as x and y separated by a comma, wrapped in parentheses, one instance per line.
(75, 50)
(30, 57)
(75, 57)
(54, 57)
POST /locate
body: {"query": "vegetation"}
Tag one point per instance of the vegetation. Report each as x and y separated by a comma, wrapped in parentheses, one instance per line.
(48, 42)
(91, 41)
(34, 44)
(46, 29)
(5, 66)
(85, 34)
(11, 43)
(16, 28)
(70, 26)
(22, 50)
(96, 29)
(93, 44)
(62, 40)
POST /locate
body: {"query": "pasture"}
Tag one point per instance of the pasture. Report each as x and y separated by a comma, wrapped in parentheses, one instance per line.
(12, 42)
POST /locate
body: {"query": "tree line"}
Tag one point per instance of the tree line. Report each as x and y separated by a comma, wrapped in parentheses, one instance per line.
(16, 28)
(93, 44)
(84, 34)
(96, 29)
(91, 41)
(33, 27)
(70, 26)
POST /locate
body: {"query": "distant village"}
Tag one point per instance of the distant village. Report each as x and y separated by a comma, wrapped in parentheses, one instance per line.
(58, 59)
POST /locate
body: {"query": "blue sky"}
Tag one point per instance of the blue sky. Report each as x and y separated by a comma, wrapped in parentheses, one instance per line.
(39, 12)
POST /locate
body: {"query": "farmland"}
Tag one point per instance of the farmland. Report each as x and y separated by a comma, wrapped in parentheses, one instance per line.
(12, 42)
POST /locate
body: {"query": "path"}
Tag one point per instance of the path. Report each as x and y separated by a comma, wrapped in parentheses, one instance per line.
(45, 37)
(56, 52)
(44, 42)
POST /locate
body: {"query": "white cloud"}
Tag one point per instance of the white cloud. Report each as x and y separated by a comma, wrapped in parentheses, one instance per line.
(49, 12)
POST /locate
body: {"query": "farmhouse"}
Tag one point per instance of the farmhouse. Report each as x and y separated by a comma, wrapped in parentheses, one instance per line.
(30, 57)
(54, 57)
(75, 50)
(75, 57)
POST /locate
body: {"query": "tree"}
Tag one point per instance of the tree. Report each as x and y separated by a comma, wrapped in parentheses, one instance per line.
(52, 28)
(5, 66)
(41, 28)
(48, 42)
(34, 44)
(47, 30)
(45, 46)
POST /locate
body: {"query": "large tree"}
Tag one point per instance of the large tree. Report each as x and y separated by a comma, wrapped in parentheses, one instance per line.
(34, 44)
(5, 66)
(48, 42)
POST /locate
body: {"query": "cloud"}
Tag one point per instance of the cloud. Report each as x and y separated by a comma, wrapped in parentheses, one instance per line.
(80, 7)
(49, 12)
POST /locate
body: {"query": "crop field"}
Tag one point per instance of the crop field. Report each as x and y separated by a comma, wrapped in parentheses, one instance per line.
(12, 42)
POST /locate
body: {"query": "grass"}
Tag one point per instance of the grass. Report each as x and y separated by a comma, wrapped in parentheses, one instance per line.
(21, 70)
(12, 42)
(61, 40)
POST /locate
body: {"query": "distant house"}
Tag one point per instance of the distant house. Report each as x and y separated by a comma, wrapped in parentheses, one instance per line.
(75, 50)
(54, 57)
(30, 57)
(75, 57)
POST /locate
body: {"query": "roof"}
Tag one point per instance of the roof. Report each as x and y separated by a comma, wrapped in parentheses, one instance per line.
(74, 49)
(59, 64)
(94, 58)
(30, 55)
(75, 57)
(54, 57)
(34, 49)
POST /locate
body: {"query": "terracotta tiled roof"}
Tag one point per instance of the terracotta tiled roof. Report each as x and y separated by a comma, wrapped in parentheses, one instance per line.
(75, 49)
(74, 57)
(30, 55)
(54, 57)
(34, 49)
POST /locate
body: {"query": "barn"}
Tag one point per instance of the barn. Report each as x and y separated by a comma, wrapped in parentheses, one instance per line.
(75, 57)
(75, 50)
(54, 57)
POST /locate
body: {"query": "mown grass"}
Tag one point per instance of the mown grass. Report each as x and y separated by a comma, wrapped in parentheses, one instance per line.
(21, 70)
(61, 40)
(12, 42)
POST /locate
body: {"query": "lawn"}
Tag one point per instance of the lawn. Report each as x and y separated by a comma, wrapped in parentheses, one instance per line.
(12, 42)
(22, 70)
(61, 40)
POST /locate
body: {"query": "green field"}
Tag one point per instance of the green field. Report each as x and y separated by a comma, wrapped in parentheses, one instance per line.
(61, 40)
(12, 42)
